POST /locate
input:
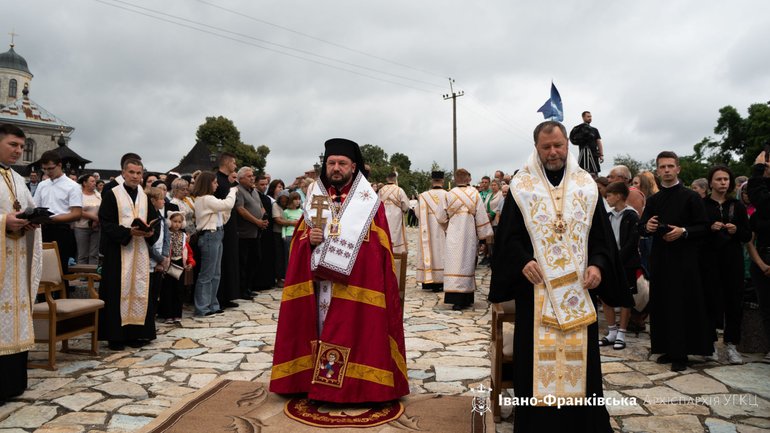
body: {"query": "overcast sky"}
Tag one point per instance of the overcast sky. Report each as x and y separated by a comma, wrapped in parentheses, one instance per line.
(292, 74)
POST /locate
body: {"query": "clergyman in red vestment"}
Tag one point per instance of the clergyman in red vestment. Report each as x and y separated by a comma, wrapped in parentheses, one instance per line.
(340, 332)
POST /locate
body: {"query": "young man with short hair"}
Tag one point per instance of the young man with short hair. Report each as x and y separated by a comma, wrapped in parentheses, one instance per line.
(676, 218)
(64, 197)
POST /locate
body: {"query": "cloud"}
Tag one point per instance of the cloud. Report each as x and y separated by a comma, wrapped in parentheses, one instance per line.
(654, 74)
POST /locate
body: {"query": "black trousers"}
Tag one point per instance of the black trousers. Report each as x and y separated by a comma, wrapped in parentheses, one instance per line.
(171, 295)
(248, 255)
(14, 382)
(724, 290)
(64, 237)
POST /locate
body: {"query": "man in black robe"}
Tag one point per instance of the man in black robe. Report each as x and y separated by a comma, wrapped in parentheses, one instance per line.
(265, 279)
(113, 237)
(676, 217)
(589, 142)
(514, 273)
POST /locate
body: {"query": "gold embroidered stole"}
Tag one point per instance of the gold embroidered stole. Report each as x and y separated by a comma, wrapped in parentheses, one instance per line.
(563, 308)
(390, 195)
(134, 260)
(338, 252)
(462, 200)
(430, 206)
(20, 269)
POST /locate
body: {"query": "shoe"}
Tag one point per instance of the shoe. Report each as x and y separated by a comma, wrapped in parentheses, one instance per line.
(733, 357)
(229, 304)
(215, 313)
(438, 289)
(112, 345)
(605, 342)
(177, 320)
(136, 343)
(619, 344)
(713, 357)
(663, 359)
(678, 366)
(169, 321)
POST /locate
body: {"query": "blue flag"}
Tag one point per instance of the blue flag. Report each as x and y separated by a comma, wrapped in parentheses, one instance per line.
(552, 109)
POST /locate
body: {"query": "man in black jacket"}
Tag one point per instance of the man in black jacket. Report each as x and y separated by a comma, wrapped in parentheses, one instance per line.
(229, 286)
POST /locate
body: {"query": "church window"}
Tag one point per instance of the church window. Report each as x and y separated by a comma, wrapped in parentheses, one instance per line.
(12, 88)
(29, 150)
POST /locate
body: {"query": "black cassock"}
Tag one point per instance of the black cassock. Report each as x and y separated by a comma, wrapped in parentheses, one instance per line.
(266, 273)
(679, 322)
(113, 236)
(513, 250)
(230, 280)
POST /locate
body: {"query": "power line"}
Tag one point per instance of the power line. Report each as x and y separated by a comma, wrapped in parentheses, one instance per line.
(261, 46)
(403, 65)
(502, 118)
(242, 35)
(257, 45)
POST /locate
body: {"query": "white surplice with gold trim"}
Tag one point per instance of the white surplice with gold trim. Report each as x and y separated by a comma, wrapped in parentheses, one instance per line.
(396, 203)
(20, 268)
(558, 220)
(432, 243)
(467, 223)
(134, 261)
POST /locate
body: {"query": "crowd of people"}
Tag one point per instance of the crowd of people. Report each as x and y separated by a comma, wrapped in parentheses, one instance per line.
(553, 230)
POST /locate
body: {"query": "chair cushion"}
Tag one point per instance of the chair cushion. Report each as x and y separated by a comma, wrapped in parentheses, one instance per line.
(51, 270)
(509, 306)
(69, 306)
(507, 339)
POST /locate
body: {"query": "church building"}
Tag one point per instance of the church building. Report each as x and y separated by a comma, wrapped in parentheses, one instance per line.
(44, 130)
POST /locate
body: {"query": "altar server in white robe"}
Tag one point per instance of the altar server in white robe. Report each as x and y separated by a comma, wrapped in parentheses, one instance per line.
(20, 243)
(396, 203)
(468, 222)
(432, 242)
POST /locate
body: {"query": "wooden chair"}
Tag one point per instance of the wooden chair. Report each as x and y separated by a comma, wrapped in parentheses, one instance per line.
(501, 350)
(61, 319)
(400, 265)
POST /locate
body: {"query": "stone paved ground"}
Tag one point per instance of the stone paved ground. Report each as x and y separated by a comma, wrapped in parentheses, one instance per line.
(447, 353)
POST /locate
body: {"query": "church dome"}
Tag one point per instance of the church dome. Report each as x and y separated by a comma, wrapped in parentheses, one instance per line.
(11, 60)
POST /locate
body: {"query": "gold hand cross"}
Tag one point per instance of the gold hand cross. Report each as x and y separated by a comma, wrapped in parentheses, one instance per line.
(319, 203)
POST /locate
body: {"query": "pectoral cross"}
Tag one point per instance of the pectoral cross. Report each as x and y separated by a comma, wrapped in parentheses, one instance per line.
(319, 203)
(559, 226)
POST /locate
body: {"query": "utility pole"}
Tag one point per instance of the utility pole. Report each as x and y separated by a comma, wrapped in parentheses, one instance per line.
(454, 97)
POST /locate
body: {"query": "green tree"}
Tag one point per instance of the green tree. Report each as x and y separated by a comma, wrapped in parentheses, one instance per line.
(220, 134)
(400, 162)
(378, 162)
(634, 165)
(691, 169)
(741, 139)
